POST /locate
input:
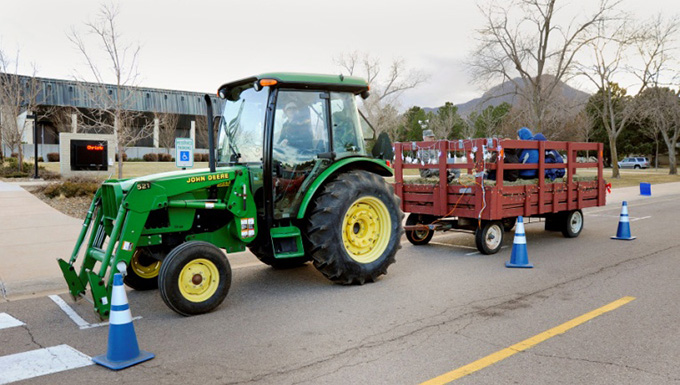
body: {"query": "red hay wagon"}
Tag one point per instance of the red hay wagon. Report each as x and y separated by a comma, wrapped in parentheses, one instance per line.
(488, 208)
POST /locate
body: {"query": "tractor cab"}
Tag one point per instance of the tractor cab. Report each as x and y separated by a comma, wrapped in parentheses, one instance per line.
(288, 129)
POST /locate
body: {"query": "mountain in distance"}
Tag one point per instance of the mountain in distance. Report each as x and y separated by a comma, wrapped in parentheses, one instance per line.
(505, 92)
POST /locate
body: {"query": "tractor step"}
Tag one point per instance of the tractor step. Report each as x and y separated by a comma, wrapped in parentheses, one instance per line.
(287, 242)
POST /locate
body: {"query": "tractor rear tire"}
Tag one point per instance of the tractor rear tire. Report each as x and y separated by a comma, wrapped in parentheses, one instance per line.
(194, 278)
(142, 272)
(261, 246)
(489, 237)
(419, 237)
(354, 228)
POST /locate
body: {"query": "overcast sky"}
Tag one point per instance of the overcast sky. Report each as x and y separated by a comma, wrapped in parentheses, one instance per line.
(198, 45)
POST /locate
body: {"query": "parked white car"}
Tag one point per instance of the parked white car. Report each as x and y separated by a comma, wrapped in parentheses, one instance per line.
(634, 162)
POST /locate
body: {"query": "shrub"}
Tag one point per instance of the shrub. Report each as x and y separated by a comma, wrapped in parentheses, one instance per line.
(13, 174)
(150, 157)
(14, 155)
(53, 156)
(72, 187)
(125, 157)
(165, 157)
(48, 175)
(201, 157)
(13, 164)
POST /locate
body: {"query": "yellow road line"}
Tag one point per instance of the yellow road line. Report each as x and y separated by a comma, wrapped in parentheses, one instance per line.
(524, 345)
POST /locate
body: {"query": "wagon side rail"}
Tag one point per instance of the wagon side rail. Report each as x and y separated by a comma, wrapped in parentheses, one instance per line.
(475, 159)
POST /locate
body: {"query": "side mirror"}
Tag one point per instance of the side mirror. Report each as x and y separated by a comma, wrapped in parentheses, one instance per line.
(383, 147)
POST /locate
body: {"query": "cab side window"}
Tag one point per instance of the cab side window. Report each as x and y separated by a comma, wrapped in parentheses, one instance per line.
(347, 139)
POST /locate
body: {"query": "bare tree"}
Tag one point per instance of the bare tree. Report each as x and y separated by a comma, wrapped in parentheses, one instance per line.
(112, 104)
(522, 43)
(650, 44)
(17, 95)
(167, 129)
(660, 110)
(381, 108)
(202, 130)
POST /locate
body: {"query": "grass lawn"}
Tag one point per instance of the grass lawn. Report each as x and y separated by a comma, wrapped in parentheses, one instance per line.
(135, 169)
(635, 177)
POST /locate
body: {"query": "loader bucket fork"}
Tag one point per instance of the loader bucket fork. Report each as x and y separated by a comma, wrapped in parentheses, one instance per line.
(100, 283)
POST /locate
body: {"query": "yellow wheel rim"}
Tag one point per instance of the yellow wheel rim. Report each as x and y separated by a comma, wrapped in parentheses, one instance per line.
(198, 280)
(366, 229)
(144, 271)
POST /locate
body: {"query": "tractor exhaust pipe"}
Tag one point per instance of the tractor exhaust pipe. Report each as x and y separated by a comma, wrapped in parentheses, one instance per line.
(211, 133)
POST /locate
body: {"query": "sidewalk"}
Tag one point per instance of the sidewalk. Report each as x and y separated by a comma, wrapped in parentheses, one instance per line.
(32, 236)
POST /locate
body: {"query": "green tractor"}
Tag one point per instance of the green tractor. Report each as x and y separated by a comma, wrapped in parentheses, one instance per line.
(290, 178)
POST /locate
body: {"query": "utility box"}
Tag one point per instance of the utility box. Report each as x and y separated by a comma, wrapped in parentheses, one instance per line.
(86, 154)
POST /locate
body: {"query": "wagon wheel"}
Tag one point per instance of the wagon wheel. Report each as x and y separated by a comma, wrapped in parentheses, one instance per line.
(419, 237)
(509, 223)
(489, 237)
(572, 224)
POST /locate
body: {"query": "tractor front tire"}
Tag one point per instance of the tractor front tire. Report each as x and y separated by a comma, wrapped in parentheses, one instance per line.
(194, 278)
(354, 228)
(142, 272)
(261, 246)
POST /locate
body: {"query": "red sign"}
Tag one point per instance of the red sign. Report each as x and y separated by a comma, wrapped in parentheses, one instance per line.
(98, 147)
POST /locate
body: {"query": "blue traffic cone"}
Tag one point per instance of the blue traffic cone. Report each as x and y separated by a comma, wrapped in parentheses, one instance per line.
(623, 232)
(519, 257)
(123, 350)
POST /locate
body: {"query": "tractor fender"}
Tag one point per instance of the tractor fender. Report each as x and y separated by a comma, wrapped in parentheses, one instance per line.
(377, 166)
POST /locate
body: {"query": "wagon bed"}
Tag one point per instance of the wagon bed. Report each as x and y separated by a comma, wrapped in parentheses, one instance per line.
(473, 202)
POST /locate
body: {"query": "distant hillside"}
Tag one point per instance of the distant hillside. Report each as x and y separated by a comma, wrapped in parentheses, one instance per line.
(506, 92)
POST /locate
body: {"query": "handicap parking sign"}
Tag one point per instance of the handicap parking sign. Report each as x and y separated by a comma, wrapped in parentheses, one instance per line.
(184, 148)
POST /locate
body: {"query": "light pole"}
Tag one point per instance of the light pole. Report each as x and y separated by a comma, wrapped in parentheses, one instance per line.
(35, 142)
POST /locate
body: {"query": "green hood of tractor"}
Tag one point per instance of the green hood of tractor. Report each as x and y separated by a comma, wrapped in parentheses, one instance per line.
(126, 184)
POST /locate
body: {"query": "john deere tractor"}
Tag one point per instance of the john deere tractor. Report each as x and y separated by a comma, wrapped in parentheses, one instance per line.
(290, 178)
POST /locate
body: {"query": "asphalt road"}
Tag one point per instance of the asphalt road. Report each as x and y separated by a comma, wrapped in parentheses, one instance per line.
(442, 306)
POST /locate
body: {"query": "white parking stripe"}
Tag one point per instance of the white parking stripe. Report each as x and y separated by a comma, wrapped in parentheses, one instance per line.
(69, 312)
(7, 321)
(34, 363)
(82, 324)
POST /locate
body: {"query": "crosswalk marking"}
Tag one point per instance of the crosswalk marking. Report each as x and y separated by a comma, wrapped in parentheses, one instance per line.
(34, 363)
(7, 321)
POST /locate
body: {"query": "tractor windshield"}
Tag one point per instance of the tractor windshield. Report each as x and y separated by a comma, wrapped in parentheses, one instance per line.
(242, 128)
